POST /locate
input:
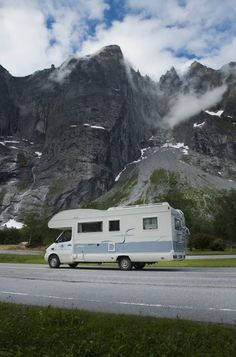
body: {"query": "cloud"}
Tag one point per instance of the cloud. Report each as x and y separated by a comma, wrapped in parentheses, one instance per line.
(35, 34)
(62, 72)
(188, 105)
(144, 42)
(226, 54)
(154, 35)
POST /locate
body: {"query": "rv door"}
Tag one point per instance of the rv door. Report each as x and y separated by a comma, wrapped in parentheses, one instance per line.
(63, 246)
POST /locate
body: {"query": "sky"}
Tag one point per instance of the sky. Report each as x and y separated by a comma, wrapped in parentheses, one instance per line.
(154, 35)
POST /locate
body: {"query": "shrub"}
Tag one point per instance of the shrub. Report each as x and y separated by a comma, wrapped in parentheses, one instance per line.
(21, 160)
(10, 236)
(36, 231)
(200, 241)
(225, 216)
(218, 244)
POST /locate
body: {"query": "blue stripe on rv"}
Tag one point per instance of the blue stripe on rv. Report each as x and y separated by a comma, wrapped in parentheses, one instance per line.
(131, 247)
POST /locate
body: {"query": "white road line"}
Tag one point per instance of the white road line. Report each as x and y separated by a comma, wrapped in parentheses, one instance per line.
(11, 293)
(117, 302)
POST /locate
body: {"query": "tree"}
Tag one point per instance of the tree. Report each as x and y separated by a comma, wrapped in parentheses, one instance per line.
(225, 216)
(36, 231)
(10, 236)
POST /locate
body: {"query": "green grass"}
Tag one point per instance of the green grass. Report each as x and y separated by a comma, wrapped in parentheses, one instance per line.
(225, 262)
(115, 197)
(46, 331)
(165, 177)
(21, 258)
(212, 252)
(37, 259)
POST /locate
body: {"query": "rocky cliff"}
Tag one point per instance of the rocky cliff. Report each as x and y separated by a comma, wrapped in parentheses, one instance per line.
(67, 132)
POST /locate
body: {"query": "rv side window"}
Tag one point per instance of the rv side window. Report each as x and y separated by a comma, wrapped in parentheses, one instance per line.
(87, 227)
(114, 226)
(150, 223)
(177, 224)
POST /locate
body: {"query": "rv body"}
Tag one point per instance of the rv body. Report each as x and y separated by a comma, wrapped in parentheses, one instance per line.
(130, 235)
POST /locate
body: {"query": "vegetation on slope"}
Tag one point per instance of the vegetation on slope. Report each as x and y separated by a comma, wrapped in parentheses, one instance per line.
(38, 331)
(210, 214)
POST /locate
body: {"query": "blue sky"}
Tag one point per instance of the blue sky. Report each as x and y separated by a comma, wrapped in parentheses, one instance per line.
(153, 35)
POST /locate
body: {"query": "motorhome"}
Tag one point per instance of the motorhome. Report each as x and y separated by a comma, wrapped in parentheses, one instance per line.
(132, 236)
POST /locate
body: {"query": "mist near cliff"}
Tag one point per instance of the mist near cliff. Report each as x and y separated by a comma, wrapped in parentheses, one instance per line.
(188, 105)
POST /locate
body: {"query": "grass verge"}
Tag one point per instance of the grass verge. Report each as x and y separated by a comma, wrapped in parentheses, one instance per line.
(21, 258)
(225, 262)
(212, 252)
(40, 331)
(37, 259)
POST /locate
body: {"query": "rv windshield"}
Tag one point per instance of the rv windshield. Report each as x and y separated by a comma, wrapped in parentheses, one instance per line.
(64, 237)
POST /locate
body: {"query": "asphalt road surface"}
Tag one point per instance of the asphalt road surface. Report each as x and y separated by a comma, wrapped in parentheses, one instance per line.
(202, 294)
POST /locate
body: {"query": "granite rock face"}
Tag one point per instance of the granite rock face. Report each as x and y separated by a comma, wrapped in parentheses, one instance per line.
(85, 119)
(66, 132)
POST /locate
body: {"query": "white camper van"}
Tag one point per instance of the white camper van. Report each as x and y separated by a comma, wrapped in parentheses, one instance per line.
(131, 236)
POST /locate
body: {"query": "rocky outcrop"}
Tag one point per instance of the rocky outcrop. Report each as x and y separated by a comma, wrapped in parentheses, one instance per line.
(87, 118)
(66, 132)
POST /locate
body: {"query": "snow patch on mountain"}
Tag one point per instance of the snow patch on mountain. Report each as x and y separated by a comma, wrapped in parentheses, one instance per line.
(181, 146)
(142, 157)
(195, 125)
(95, 126)
(216, 114)
(39, 154)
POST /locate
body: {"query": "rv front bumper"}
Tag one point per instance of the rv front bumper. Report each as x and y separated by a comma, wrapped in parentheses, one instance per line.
(46, 255)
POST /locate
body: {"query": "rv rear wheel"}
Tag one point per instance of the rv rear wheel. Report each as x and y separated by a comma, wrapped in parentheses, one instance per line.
(54, 261)
(139, 265)
(125, 263)
(73, 265)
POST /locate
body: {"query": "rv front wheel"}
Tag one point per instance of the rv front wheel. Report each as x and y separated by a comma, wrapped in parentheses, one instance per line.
(125, 263)
(54, 261)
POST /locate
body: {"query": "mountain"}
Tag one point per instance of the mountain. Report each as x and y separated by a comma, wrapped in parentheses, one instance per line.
(66, 133)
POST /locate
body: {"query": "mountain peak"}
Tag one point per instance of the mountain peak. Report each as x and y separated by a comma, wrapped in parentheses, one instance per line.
(170, 80)
(196, 68)
(109, 51)
(170, 74)
(229, 68)
(196, 64)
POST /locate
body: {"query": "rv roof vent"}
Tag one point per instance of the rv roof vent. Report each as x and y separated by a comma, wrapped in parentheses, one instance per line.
(140, 206)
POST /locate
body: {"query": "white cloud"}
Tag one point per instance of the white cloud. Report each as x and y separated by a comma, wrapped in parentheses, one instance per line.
(189, 104)
(144, 42)
(154, 35)
(203, 14)
(226, 54)
(25, 39)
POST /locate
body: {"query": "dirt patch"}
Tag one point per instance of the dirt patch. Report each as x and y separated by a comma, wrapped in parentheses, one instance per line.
(12, 247)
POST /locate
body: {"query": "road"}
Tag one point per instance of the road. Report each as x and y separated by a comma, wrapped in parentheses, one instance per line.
(202, 294)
